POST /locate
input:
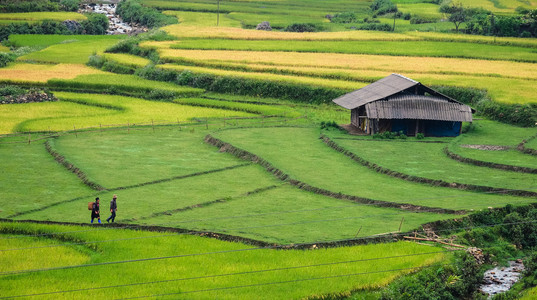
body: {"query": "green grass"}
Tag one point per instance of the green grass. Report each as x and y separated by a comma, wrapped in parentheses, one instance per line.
(128, 59)
(41, 16)
(289, 215)
(267, 110)
(427, 10)
(32, 179)
(127, 110)
(532, 144)
(299, 153)
(22, 117)
(400, 48)
(71, 52)
(206, 265)
(92, 110)
(487, 132)
(429, 161)
(493, 133)
(250, 20)
(158, 155)
(203, 18)
(287, 7)
(43, 40)
(21, 260)
(123, 83)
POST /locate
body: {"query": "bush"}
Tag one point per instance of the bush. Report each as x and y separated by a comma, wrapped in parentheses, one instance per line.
(344, 17)
(457, 280)
(10, 6)
(382, 7)
(516, 114)
(407, 16)
(243, 86)
(6, 58)
(96, 24)
(69, 5)
(421, 20)
(133, 11)
(96, 61)
(11, 90)
(302, 27)
(375, 26)
(420, 136)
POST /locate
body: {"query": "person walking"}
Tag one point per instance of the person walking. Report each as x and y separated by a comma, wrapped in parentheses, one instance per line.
(95, 213)
(113, 209)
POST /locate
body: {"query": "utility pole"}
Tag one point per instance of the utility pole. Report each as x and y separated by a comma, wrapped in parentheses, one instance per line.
(218, 12)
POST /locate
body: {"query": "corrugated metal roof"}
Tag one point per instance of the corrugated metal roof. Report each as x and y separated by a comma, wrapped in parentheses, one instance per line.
(420, 108)
(381, 89)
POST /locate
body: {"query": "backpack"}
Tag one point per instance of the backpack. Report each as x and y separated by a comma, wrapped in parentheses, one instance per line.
(90, 205)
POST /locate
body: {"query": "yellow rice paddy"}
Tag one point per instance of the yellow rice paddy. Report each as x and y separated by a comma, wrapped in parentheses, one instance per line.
(22, 72)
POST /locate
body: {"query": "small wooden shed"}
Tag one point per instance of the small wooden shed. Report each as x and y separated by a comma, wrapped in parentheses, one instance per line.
(397, 103)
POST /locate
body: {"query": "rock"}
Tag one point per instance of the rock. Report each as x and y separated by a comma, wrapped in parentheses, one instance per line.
(264, 26)
(72, 25)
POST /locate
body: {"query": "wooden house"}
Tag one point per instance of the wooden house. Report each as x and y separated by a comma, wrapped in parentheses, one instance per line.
(397, 103)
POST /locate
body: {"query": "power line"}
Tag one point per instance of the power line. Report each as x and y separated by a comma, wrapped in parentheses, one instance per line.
(89, 242)
(230, 251)
(254, 215)
(231, 274)
(282, 282)
(272, 225)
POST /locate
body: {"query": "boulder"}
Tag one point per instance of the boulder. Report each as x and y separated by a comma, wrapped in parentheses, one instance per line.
(264, 26)
(72, 25)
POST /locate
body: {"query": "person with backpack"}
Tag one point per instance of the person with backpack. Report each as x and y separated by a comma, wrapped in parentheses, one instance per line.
(113, 209)
(95, 213)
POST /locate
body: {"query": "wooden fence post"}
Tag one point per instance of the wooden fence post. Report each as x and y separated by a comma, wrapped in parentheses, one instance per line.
(29, 138)
(74, 129)
(153, 125)
(128, 127)
(206, 123)
(358, 232)
(401, 224)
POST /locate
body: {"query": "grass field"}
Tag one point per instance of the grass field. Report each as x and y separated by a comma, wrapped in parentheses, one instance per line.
(44, 40)
(41, 16)
(71, 52)
(236, 265)
(128, 59)
(109, 138)
(24, 186)
(123, 83)
(27, 72)
(409, 157)
(400, 48)
(355, 64)
(299, 153)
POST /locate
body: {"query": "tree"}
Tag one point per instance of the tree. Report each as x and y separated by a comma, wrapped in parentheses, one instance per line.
(457, 14)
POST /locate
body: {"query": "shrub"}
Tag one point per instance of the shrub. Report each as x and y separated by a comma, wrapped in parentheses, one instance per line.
(96, 61)
(407, 16)
(375, 26)
(133, 11)
(302, 27)
(28, 6)
(420, 136)
(95, 24)
(11, 90)
(421, 20)
(516, 114)
(5, 58)
(344, 17)
(382, 7)
(457, 280)
(69, 5)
